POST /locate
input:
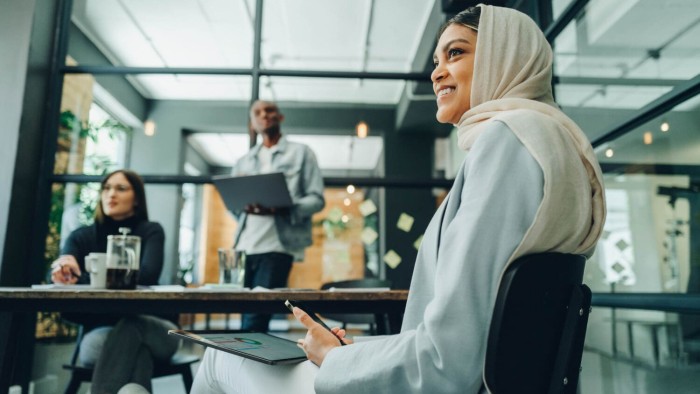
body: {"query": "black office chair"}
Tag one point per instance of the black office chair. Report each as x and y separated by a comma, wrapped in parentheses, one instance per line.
(538, 327)
(179, 364)
(356, 318)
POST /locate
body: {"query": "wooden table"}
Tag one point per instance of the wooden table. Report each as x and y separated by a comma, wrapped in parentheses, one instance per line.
(14, 302)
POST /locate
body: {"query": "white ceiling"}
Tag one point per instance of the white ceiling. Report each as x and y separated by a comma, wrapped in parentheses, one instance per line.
(612, 40)
(332, 152)
(302, 35)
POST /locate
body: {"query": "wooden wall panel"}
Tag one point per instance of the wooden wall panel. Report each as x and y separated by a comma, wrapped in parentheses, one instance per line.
(325, 260)
(329, 260)
(218, 227)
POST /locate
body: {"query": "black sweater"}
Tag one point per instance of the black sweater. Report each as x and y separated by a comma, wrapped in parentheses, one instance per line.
(93, 239)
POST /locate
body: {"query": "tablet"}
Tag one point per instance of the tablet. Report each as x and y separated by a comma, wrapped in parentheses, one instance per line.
(267, 190)
(258, 346)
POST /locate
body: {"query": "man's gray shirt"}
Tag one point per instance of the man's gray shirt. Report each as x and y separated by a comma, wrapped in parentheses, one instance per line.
(305, 184)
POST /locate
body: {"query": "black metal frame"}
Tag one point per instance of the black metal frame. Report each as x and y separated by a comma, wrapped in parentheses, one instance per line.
(256, 71)
(328, 181)
(650, 111)
(668, 302)
(49, 143)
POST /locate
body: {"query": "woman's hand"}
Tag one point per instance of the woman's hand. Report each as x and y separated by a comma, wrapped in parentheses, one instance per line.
(318, 341)
(65, 270)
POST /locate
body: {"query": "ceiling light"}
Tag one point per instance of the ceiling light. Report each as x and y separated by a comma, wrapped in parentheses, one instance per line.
(351, 189)
(648, 138)
(609, 152)
(362, 129)
(665, 126)
(149, 128)
(345, 218)
(346, 202)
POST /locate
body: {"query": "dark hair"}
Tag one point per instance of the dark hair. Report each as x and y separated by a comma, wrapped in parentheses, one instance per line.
(136, 183)
(467, 18)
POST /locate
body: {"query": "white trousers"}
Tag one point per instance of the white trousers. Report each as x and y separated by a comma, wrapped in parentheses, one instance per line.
(222, 372)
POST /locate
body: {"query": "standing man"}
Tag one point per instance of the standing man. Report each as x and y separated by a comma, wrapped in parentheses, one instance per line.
(273, 238)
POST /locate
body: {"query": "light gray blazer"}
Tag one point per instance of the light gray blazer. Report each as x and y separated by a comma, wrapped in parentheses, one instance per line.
(441, 347)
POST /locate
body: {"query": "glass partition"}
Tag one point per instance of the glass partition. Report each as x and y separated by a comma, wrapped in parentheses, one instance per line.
(650, 243)
(625, 54)
(558, 6)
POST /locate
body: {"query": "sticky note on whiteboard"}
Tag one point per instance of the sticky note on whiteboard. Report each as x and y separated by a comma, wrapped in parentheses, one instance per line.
(369, 235)
(392, 259)
(417, 243)
(405, 222)
(367, 208)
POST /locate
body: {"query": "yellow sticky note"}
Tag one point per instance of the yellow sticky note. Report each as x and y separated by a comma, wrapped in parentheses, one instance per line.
(405, 222)
(392, 259)
(335, 214)
(369, 235)
(367, 208)
(417, 243)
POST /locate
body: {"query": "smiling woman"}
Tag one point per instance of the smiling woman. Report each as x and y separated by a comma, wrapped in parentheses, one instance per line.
(454, 70)
(529, 183)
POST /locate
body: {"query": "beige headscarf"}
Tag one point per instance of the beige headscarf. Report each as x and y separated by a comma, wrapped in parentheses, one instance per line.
(512, 83)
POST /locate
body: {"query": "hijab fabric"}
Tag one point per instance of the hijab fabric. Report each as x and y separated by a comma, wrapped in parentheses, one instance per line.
(512, 84)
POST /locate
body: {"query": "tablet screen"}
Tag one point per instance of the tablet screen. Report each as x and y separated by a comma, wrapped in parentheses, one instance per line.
(257, 346)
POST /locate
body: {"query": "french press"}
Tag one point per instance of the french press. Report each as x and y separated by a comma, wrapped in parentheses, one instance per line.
(123, 256)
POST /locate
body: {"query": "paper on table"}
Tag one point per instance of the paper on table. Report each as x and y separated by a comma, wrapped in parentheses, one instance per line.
(58, 286)
(222, 287)
(367, 208)
(359, 289)
(392, 259)
(369, 235)
(167, 288)
(405, 222)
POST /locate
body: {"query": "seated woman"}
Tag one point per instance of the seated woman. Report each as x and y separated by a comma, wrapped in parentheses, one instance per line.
(529, 183)
(122, 348)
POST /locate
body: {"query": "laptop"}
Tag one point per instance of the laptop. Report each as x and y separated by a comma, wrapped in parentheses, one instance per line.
(267, 190)
(258, 346)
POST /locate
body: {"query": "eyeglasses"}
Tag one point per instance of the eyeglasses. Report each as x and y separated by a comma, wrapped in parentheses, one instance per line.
(117, 188)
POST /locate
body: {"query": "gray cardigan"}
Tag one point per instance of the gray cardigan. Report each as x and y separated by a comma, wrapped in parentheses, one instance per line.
(305, 183)
(441, 347)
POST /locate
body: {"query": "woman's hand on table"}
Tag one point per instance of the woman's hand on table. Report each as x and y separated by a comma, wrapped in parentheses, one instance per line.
(65, 270)
(318, 341)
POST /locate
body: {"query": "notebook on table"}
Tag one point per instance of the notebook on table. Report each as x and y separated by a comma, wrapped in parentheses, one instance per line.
(258, 346)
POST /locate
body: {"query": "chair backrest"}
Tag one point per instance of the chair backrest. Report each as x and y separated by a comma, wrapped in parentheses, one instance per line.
(538, 326)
